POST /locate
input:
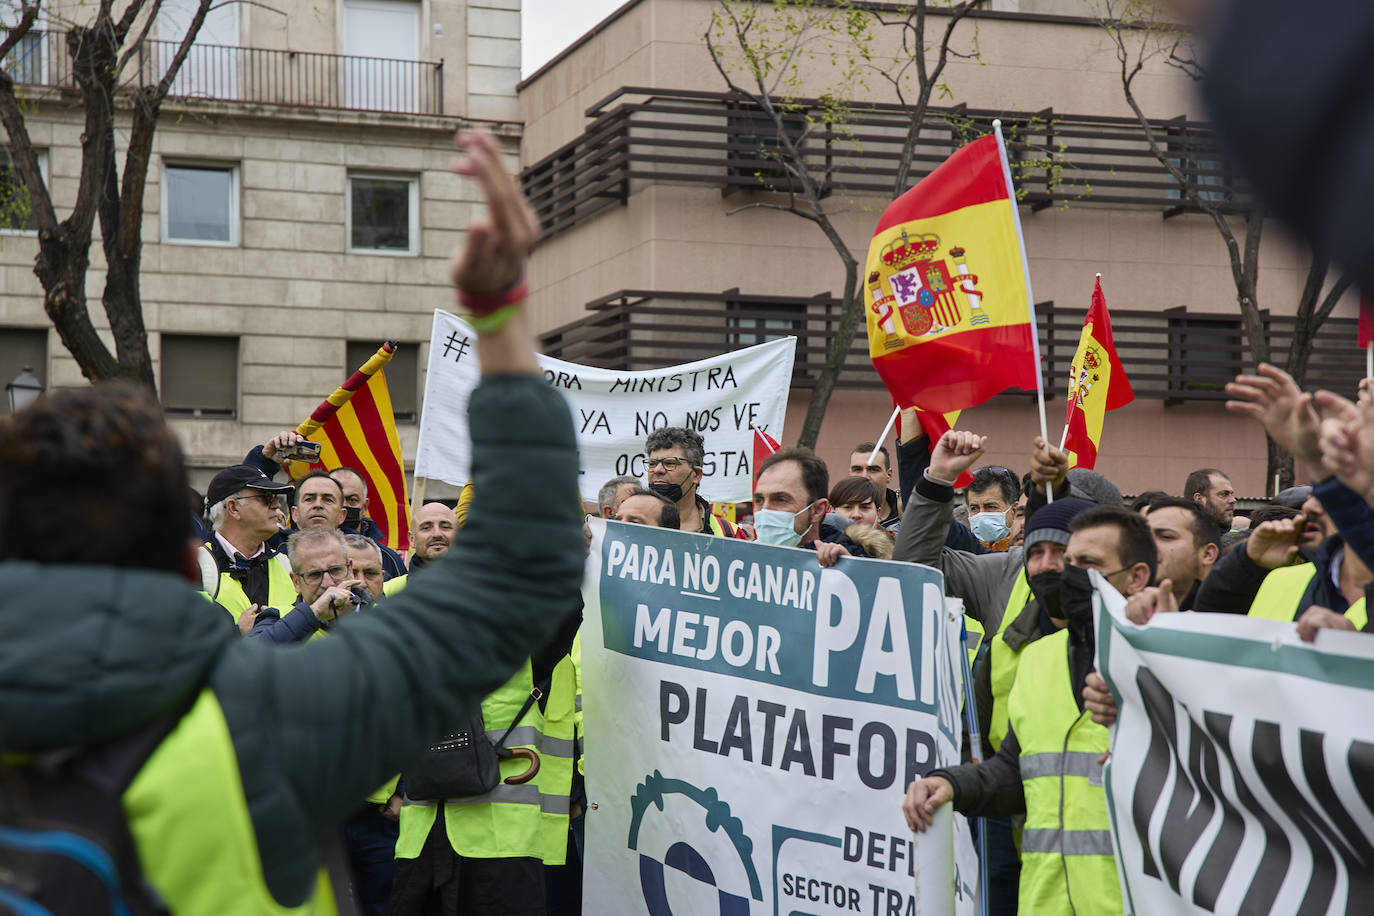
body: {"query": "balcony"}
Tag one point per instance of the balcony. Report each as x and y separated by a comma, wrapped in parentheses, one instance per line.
(1174, 355)
(640, 136)
(300, 79)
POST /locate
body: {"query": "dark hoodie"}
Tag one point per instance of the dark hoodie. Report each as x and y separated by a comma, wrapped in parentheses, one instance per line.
(319, 726)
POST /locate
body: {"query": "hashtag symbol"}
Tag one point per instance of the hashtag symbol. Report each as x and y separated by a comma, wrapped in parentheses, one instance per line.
(457, 346)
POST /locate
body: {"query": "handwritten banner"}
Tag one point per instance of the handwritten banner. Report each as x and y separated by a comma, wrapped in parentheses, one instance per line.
(1242, 764)
(752, 721)
(724, 398)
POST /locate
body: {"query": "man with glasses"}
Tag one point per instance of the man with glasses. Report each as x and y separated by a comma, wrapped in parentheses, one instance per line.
(323, 578)
(674, 469)
(244, 505)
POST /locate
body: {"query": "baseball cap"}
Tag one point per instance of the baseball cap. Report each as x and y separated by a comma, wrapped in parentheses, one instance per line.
(232, 479)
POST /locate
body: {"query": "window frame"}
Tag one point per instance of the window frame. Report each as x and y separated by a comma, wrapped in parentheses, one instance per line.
(413, 205)
(235, 208)
(234, 413)
(42, 153)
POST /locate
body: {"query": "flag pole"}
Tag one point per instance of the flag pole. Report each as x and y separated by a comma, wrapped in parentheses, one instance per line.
(1030, 296)
(896, 411)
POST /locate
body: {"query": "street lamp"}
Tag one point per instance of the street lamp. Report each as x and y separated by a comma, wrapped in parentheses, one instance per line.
(24, 390)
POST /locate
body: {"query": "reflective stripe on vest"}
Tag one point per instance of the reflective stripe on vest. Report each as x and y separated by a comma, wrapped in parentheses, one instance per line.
(1003, 659)
(189, 819)
(527, 820)
(1282, 590)
(1066, 849)
(976, 636)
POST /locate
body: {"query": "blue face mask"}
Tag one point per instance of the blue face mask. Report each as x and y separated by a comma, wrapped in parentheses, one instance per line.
(774, 526)
(989, 527)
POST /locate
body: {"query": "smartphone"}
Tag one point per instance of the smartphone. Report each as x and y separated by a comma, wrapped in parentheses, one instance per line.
(302, 451)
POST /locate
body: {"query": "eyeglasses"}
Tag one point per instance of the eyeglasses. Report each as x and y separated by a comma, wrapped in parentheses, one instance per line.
(315, 576)
(268, 499)
(670, 464)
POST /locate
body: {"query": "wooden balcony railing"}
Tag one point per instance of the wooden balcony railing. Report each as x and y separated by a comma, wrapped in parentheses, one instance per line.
(640, 136)
(1174, 355)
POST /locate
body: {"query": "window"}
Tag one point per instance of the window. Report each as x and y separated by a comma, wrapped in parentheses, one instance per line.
(16, 211)
(383, 214)
(21, 348)
(381, 39)
(752, 323)
(200, 376)
(402, 375)
(1194, 154)
(1204, 353)
(200, 204)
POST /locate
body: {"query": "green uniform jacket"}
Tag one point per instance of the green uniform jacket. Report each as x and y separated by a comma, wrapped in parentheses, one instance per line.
(87, 653)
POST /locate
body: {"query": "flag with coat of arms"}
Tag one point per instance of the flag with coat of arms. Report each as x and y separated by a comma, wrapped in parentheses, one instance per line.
(1097, 384)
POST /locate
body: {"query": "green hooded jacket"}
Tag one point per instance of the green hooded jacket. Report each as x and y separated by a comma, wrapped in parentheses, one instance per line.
(87, 653)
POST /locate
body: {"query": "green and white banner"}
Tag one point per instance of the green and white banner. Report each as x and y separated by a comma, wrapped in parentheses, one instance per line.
(1242, 771)
(752, 721)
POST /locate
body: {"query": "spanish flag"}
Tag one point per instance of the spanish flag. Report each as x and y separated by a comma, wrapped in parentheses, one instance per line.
(1097, 384)
(356, 428)
(949, 316)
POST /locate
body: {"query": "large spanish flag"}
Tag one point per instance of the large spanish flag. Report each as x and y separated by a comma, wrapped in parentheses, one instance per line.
(1097, 384)
(356, 428)
(949, 316)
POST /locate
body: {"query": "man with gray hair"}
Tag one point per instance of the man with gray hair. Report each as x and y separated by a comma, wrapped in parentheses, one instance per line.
(325, 585)
(243, 505)
(674, 470)
(608, 498)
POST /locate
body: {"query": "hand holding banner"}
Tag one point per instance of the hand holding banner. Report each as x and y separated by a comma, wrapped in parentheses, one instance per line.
(752, 721)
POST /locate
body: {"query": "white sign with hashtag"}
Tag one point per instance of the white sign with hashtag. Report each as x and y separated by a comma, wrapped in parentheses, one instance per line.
(724, 398)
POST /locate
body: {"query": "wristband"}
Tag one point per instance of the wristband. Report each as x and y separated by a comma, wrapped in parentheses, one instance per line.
(492, 321)
(486, 303)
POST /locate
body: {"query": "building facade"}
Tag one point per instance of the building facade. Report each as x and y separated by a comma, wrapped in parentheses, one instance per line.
(300, 206)
(663, 243)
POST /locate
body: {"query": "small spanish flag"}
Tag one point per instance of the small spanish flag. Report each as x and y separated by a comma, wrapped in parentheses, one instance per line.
(356, 428)
(1366, 326)
(949, 317)
(1097, 384)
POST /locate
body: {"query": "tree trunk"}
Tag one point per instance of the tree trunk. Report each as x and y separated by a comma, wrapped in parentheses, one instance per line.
(835, 356)
(1280, 463)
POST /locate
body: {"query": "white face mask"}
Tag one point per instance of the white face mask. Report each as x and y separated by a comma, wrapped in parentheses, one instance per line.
(775, 526)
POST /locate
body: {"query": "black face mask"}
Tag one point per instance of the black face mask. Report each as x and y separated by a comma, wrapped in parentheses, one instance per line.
(669, 491)
(1066, 595)
(353, 518)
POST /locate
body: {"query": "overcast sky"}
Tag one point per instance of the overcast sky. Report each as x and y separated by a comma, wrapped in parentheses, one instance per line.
(549, 26)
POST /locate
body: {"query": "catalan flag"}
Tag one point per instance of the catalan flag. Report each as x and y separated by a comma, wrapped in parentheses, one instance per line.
(1097, 384)
(356, 428)
(949, 316)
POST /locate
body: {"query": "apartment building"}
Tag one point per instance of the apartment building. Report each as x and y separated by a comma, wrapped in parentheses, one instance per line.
(649, 179)
(300, 208)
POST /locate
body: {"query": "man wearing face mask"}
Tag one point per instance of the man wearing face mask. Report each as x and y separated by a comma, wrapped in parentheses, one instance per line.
(1047, 764)
(674, 470)
(357, 521)
(790, 506)
(991, 501)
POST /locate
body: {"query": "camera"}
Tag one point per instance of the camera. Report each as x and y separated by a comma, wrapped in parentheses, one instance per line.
(359, 595)
(304, 450)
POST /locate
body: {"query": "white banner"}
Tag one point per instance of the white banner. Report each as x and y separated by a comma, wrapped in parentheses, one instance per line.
(1242, 771)
(724, 398)
(752, 721)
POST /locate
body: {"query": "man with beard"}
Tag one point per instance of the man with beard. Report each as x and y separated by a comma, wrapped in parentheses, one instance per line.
(431, 533)
(1047, 764)
(675, 471)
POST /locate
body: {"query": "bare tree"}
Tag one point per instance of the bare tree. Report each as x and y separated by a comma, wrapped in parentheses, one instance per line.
(101, 50)
(762, 52)
(1138, 39)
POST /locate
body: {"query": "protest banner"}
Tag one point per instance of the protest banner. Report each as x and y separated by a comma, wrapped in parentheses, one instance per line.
(1242, 771)
(725, 398)
(752, 721)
